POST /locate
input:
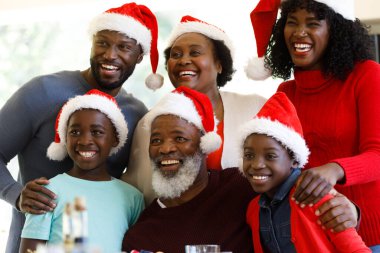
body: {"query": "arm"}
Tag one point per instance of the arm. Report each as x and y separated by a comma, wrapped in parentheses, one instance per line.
(17, 119)
(30, 245)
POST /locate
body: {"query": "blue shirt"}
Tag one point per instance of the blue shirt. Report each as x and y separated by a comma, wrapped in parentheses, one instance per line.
(274, 218)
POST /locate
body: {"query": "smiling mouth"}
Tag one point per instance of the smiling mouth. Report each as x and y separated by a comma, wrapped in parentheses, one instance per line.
(259, 178)
(109, 68)
(186, 73)
(87, 154)
(169, 162)
(302, 47)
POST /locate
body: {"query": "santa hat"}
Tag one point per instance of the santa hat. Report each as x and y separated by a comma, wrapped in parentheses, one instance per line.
(278, 119)
(264, 17)
(137, 22)
(93, 99)
(189, 24)
(194, 107)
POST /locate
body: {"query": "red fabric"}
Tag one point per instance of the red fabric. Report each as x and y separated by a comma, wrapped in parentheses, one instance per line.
(341, 123)
(214, 159)
(306, 234)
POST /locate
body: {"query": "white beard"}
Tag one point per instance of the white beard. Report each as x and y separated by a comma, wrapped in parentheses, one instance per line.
(173, 187)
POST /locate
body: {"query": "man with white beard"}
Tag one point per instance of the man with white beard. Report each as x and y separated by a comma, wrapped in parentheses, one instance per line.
(194, 205)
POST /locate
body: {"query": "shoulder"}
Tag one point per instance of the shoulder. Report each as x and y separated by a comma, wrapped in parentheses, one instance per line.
(241, 99)
(234, 181)
(127, 188)
(129, 102)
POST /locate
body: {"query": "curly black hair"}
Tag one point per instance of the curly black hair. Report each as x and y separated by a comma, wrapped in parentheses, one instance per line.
(349, 42)
(223, 54)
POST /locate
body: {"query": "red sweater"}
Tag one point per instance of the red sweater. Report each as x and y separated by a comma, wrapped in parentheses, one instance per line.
(306, 234)
(341, 123)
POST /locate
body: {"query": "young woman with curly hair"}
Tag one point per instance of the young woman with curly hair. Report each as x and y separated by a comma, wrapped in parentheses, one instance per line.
(336, 91)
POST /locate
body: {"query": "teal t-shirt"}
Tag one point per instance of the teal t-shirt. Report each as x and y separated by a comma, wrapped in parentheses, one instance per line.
(112, 207)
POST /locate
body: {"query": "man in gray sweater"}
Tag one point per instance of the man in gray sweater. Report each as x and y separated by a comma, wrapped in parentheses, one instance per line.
(121, 36)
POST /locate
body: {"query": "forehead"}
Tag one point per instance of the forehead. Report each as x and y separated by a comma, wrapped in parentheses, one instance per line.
(89, 116)
(192, 38)
(261, 140)
(172, 123)
(114, 35)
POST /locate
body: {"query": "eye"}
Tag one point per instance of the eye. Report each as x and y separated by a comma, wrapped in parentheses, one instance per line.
(155, 141)
(271, 156)
(195, 53)
(101, 43)
(314, 24)
(181, 139)
(74, 132)
(125, 47)
(290, 22)
(248, 155)
(97, 132)
(175, 54)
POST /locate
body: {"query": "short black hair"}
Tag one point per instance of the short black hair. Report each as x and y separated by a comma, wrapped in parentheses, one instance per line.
(223, 54)
(348, 44)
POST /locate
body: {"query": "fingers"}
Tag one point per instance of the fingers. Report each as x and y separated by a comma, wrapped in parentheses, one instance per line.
(35, 198)
(337, 214)
(311, 188)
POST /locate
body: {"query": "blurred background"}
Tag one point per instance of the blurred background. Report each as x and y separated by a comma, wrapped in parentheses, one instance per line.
(45, 36)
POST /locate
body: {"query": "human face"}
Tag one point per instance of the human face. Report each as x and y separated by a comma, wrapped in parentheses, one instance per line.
(113, 58)
(192, 63)
(90, 137)
(172, 140)
(266, 163)
(306, 38)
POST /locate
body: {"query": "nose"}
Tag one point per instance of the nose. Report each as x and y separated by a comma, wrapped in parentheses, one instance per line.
(167, 147)
(257, 164)
(300, 31)
(85, 139)
(184, 60)
(110, 53)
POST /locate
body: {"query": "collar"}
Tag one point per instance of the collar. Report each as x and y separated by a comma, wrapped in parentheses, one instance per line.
(283, 190)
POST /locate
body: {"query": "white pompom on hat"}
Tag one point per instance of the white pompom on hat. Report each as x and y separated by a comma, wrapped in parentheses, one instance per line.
(278, 119)
(139, 23)
(194, 107)
(263, 17)
(93, 99)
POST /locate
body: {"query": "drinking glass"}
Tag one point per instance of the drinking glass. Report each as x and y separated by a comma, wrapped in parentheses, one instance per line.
(204, 248)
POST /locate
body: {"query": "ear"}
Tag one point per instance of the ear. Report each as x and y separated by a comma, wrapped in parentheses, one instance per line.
(219, 67)
(294, 163)
(140, 58)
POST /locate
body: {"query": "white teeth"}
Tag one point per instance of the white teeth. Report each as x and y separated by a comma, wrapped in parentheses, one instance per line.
(169, 162)
(109, 67)
(260, 177)
(185, 73)
(87, 154)
(300, 47)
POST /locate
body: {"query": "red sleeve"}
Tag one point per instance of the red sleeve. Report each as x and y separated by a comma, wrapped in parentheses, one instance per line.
(364, 167)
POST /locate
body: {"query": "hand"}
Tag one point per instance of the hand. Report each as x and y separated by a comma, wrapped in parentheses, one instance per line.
(316, 182)
(35, 198)
(338, 213)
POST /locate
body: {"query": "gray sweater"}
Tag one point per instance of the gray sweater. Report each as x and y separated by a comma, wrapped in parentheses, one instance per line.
(27, 129)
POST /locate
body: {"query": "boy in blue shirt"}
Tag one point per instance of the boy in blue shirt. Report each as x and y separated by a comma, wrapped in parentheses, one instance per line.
(89, 128)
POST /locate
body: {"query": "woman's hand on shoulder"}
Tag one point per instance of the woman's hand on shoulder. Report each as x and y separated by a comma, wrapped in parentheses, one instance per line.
(315, 183)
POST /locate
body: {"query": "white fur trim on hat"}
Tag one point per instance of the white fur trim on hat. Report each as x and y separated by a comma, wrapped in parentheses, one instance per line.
(57, 151)
(285, 135)
(202, 28)
(256, 69)
(123, 24)
(179, 105)
(346, 8)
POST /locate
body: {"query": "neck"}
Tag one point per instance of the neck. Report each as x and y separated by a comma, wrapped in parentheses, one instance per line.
(217, 103)
(91, 175)
(200, 183)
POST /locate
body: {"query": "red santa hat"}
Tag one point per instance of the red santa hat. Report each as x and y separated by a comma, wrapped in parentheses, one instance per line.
(264, 17)
(278, 119)
(137, 22)
(93, 99)
(189, 24)
(194, 107)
